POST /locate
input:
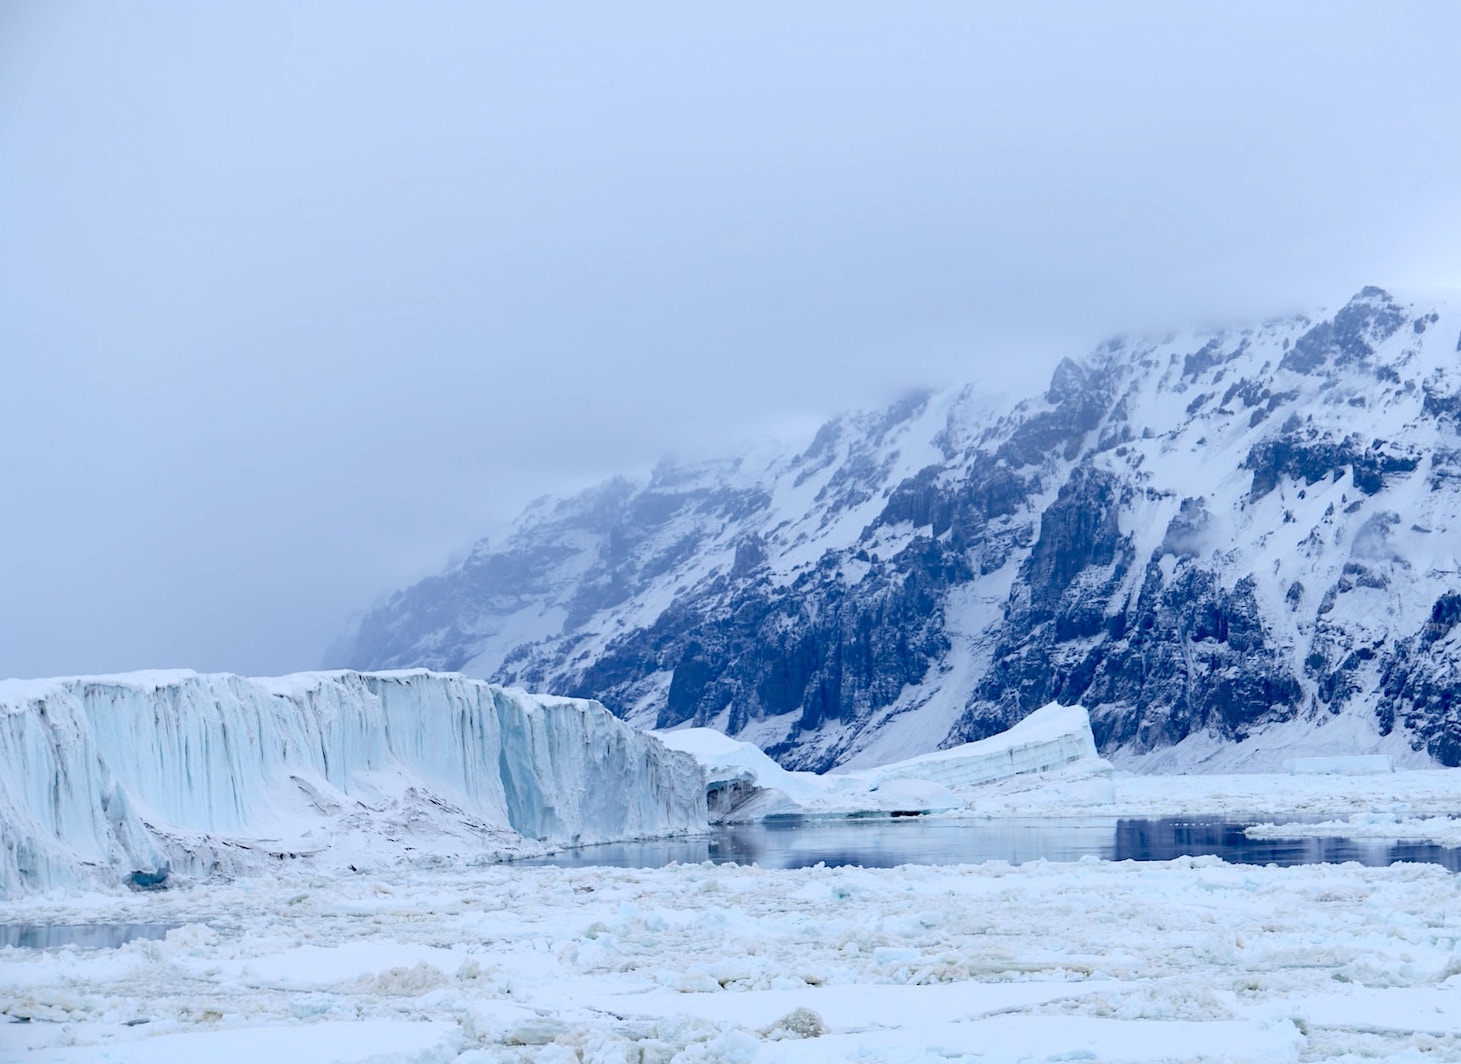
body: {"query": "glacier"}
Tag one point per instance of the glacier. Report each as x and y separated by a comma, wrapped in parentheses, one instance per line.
(153, 777)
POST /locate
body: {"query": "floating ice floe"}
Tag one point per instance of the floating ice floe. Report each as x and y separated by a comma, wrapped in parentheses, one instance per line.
(1439, 830)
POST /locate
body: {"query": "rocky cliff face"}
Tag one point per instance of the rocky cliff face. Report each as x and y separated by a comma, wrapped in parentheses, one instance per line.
(1231, 548)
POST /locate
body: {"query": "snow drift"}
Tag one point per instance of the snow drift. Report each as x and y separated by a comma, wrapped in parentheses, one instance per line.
(146, 775)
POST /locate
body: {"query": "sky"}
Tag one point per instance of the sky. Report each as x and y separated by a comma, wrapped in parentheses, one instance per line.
(296, 300)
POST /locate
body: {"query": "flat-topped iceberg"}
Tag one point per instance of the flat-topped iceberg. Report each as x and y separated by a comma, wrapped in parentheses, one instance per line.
(148, 775)
(743, 783)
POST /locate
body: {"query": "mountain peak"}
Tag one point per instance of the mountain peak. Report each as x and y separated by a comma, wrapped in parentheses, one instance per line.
(1229, 546)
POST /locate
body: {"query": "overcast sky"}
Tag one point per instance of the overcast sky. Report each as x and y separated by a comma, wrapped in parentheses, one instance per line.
(297, 299)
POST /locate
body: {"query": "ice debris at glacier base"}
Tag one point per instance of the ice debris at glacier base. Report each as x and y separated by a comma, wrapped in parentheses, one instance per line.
(744, 784)
(106, 779)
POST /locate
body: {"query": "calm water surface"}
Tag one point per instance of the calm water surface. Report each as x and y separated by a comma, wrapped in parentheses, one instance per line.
(796, 842)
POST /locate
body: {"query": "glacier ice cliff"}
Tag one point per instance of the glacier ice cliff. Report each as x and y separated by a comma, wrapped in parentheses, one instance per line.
(145, 776)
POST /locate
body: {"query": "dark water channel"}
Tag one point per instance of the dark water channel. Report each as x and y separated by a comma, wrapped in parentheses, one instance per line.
(798, 842)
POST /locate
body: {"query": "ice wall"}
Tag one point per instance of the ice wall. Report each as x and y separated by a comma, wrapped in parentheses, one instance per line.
(103, 777)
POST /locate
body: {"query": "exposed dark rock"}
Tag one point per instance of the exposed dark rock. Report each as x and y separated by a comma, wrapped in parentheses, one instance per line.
(1190, 655)
(1091, 544)
(1187, 532)
(1445, 469)
(1077, 531)
(1442, 405)
(1419, 685)
(1367, 320)
(963, 508)
(1310, 456)
(1081, 397)
(750, 555)
(824, 648)
(1203, 359)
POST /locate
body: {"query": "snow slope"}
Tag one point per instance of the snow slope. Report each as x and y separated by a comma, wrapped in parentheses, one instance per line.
(111, 779)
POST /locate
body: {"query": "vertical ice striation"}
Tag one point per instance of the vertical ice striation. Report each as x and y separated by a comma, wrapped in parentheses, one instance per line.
(103, 777)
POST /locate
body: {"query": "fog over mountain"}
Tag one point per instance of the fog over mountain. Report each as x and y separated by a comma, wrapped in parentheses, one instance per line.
(1230, 547)
(296, 301)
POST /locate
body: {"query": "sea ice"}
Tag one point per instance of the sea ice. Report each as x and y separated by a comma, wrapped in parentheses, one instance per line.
(1188, 960)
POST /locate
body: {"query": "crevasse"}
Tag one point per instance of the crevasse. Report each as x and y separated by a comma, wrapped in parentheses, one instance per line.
(197, 775)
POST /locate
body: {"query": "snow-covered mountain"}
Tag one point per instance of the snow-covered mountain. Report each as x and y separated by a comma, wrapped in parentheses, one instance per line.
(1230, 547)
(151, 775)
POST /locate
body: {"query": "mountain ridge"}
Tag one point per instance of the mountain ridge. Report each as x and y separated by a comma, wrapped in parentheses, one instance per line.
(1199, 537)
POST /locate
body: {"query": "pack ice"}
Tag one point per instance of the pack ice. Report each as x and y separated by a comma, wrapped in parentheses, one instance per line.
(143, 776)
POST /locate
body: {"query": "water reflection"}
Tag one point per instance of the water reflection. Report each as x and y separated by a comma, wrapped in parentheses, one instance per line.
(83, 936)
(1171, 837)
(795, 842)
(798, 842)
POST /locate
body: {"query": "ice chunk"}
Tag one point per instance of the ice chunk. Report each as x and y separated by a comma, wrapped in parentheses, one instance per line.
(1048, 738)
(744, 784)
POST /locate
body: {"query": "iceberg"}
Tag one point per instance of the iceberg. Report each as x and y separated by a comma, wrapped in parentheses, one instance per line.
(743, 783)
(149, 777)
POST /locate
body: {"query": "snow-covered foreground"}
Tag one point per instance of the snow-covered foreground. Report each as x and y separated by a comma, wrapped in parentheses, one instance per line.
(406, 961)
(1187, 960)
